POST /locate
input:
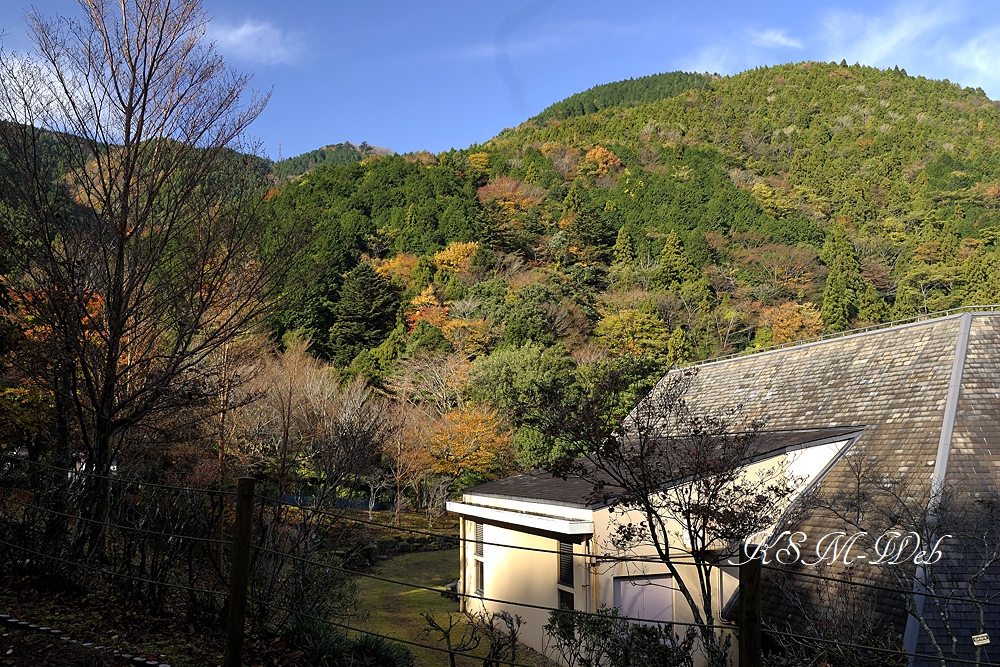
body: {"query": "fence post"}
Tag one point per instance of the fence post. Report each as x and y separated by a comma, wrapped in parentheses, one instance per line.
(240, 572)
(750, 648)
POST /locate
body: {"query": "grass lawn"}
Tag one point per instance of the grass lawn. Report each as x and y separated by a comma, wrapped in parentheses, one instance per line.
(395, 610)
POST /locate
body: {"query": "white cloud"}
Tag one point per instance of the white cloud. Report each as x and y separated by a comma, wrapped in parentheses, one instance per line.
(774, 39)
(713, 60)
(980, 54)
(887, 39)
(550, 38)
(257, 42)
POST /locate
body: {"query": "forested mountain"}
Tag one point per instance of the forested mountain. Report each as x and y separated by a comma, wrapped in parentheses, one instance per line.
(345, 153)
(766, 207)
(489, 284)
(628, 93)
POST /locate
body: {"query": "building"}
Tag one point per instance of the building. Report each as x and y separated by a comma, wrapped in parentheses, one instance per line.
(921, 401)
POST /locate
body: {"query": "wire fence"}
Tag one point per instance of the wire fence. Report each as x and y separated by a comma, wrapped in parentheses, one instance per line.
(170, 544)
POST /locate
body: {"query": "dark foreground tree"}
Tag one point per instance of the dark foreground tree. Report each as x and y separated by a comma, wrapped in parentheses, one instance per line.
(676, 482)
(130, 221)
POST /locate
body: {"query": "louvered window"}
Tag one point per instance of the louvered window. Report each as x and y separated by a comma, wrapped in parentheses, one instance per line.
(477, 551)
(566, 564)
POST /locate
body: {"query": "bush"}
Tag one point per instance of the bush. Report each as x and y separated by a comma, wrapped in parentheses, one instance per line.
(605, 639)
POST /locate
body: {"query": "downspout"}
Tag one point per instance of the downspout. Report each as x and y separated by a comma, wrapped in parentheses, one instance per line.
(912, 632)
(462, 571)
(591, 576)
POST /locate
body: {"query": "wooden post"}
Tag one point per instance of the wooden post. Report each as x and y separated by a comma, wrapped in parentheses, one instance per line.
(750, 649)
(240, 572)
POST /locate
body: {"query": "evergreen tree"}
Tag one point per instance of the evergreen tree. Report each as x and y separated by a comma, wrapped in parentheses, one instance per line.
(364, 315)
(844, 284)
(531, 174)
(679, 349)
(426, 337)
(872, 308)
(697, 250)
(391, 349)
(623, 252)
(674, 266)
(981, 278)
(454, 290)
(838, 302)
(573, 202)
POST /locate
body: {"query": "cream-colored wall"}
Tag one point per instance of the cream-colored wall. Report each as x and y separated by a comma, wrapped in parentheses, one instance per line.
(528, 576)
(724, 581)
(518, 575)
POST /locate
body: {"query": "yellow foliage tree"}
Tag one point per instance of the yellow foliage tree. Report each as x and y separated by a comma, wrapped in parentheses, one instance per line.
(792, 321)
(471, 440)
(398, 268)
(773, 201)
(470, 337)
(457, 256)
(426, 299)
(480, 160)
(633, 331)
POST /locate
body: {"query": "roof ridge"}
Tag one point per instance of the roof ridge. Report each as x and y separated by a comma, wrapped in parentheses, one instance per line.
(852, 334)
(911, 632)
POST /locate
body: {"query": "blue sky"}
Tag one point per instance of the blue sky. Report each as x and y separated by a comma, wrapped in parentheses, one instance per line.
(440, 74)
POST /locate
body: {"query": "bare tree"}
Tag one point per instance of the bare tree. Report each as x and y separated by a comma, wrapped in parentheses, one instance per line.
(677, 483)
(407, 456)
(939, 543)
(131, 223)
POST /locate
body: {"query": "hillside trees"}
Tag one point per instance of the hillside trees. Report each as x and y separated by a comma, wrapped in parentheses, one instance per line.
(701, 224)
(146, 256)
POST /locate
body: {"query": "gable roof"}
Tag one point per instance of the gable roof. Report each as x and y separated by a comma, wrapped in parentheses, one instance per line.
(929, 394)
(540, 486)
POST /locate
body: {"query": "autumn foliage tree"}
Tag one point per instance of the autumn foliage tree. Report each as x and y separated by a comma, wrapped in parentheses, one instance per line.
(471, 440)
(155, 213)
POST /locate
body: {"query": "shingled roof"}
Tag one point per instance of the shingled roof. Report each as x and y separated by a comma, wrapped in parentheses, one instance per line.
(928, 394)
(537, 485)
(922, 399)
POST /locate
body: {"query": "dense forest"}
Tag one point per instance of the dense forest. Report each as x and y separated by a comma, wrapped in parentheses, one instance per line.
(628, 93)
(776, 205)
(637, 226)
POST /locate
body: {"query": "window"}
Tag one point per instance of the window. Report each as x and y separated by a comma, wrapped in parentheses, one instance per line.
(478, 559)
(565, 579)
(566, 564)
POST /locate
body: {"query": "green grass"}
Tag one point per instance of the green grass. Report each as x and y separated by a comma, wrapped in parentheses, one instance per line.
(395, 610)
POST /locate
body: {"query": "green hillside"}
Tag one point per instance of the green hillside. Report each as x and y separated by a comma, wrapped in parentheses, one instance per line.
(771, 206)
(335, 154)
(628, 93)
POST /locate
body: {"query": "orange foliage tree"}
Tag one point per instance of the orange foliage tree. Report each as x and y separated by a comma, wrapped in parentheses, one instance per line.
(792, 321)
(428, 308)
(599, 161)
(398, 268)
(471, 440)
